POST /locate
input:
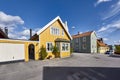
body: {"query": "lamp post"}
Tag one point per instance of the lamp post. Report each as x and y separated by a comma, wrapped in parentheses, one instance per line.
(73, 28)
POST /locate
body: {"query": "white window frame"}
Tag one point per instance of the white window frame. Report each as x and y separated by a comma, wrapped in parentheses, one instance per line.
(84, 39)
(54, 31)
(77, 40)
(65, 47)
(47, 47)
(84, 46)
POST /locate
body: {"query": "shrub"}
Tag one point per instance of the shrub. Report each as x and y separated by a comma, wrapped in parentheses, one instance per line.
(55, 51)
(43, 53)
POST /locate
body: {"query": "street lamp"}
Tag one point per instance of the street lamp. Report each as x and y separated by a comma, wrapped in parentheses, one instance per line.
(73, 29)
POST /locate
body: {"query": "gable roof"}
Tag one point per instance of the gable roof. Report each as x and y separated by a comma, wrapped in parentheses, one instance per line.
(51, 22)
(2, 34)
(83, 34)
(101, 43)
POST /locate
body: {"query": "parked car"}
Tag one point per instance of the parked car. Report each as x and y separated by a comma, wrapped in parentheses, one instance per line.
(109, 52)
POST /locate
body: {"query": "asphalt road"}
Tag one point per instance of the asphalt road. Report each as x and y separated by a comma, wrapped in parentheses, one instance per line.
(80, 66)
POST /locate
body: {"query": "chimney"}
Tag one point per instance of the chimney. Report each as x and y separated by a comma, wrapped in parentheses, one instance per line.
(101, 39)
(30, 33)
(6, 31)
(66, 26)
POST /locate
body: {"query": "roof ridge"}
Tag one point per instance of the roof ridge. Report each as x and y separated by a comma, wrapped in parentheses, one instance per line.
(51, 22)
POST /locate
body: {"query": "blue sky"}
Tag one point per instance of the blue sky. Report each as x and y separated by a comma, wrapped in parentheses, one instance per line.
(102, 16)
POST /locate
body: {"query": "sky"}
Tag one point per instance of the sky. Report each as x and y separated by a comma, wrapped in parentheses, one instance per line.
(102, 16)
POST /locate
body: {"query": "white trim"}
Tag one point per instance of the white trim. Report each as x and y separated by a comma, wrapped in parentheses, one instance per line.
(46, 26)
(46, 46)
(39, 43)
(18, 40)
(50, 30)
(65, 46)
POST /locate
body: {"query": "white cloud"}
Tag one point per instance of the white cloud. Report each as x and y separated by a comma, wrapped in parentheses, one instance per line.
(101, 1)
(9, 20)
(12, 35)
(113, 11)
(25, 34)
(102, 29)
(73, 27)
(13, 22)
(114, 25)
(117, 42)
(23, 37)
(105, 39)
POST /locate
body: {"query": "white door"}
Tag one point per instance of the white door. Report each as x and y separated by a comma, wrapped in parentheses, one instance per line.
(11, 52)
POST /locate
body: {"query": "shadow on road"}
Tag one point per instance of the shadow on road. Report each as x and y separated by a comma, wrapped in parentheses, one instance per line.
(81, 73)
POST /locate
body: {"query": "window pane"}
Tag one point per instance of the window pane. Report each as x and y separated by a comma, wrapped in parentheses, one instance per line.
(66, 47)
(49, 46)
(54, 31)
(63, 47)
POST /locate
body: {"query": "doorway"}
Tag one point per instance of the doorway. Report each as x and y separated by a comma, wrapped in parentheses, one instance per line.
(31, 51)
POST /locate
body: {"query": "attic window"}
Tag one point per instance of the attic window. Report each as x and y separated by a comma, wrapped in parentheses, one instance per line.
(54, 31)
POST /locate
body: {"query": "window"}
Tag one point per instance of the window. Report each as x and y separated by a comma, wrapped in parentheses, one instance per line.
(65, 46)
(54, 31)
(77, 40)
(84, 46)
(84, 39)
(49, 46)
(62, 32)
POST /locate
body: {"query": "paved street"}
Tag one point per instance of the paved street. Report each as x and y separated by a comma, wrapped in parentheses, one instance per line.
(80, 66)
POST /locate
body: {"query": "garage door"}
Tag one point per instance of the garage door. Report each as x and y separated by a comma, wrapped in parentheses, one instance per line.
(11, 52)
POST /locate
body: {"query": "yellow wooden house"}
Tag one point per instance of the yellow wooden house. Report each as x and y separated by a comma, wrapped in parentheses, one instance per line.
(54, 33)
(101, 46)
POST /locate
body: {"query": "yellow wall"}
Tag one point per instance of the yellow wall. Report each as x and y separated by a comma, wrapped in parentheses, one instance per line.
(26, 44)
(45, 36)
(65, 53)
(102, 49)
